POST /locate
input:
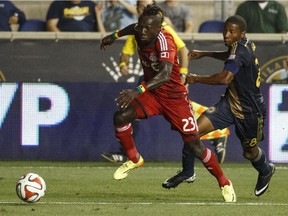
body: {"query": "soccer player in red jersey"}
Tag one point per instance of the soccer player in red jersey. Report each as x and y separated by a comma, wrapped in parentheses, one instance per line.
(161, 93)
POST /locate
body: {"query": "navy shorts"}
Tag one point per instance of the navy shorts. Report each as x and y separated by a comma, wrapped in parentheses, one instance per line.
(249, 131)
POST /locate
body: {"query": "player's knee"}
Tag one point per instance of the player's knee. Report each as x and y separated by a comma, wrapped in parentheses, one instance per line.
(119, 118)
(247, 155)
(251, 153)
(124, 117)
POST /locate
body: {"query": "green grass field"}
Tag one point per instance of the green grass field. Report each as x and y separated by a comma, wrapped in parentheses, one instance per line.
(89, 189)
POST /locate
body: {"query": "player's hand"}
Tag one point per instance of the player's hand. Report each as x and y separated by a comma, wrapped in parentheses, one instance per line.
(125, 98)
(106, 41)
(124, 70)
(13, 20)
(191, 78)
(195, 54)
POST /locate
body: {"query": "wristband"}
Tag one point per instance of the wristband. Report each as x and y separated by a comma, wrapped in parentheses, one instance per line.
(122, 64)
(142, 88)
(115, 34)
(183, 71)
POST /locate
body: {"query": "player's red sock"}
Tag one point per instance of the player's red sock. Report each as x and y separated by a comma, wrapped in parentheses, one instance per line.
(124, 136)
(210, 162)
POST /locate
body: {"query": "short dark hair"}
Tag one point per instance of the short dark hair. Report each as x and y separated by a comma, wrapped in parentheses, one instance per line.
(238, 20)
(153, 10)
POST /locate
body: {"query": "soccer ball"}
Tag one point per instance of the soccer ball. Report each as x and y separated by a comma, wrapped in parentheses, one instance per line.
(30, 187)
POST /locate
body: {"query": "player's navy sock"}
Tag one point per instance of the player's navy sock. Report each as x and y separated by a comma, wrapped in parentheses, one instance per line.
(210, 162)
(261, 164)
(188, 161)
(124, 136)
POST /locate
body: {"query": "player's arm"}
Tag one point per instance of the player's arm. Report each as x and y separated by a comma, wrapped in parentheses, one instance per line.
(183, 53)
(221, 78)
(182, 49)
(197, 54)
(163, 76)
(109, 39)
(127, 51)
(124, 58)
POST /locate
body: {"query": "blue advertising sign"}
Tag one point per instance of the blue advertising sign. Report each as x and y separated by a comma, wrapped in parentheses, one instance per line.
(74, 122)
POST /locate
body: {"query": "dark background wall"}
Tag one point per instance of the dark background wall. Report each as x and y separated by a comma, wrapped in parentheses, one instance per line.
(60, 97)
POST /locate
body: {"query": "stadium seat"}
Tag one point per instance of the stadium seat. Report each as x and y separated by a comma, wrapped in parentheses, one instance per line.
(211, 26)
(33, 25)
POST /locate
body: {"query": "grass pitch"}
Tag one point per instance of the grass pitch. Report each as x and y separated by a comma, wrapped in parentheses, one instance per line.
(88, 188)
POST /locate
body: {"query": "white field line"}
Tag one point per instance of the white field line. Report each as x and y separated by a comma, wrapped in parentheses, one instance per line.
(91, 167)
(151, 203)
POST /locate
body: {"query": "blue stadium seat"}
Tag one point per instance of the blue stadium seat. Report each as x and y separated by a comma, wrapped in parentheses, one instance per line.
(212, 26)
(33, 25)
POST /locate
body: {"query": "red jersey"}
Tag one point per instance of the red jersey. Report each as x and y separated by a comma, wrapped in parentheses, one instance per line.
(163, 49)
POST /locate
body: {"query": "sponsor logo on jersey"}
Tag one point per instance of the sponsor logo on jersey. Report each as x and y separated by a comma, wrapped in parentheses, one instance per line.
(152, 57)
(164, 55)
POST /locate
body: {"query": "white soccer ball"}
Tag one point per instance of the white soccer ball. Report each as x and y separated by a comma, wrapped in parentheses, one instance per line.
(30, 187)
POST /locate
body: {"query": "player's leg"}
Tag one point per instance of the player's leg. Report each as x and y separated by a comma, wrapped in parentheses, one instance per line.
(208, 158)
(250, 133)
(187, 174)
(218, 138)
(123, 132)
(188, 159)
(143, 106)
(210, 162)
(187, 126)
(120, 156)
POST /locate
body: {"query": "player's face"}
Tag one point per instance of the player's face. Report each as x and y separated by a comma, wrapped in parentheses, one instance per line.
(148, 27)
(232, 33)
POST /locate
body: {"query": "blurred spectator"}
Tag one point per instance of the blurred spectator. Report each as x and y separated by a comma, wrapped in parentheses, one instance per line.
(76, 16)
(117, 15)
(264, 16)
(10, 15)
(179, 14)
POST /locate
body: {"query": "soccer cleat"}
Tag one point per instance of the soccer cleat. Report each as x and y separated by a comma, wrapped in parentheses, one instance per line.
(178, 179)
(263, 181)
(228, 193)
(220, 148)
(123, 171)
(116, 157)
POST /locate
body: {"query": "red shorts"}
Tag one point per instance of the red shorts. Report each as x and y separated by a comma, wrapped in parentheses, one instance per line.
(176, 111)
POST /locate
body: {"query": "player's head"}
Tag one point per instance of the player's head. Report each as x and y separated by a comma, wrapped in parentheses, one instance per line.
(141, 4)
(150, 23)
(234, 30)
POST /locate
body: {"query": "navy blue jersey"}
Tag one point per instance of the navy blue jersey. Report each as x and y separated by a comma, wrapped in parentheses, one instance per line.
(8, 9)
(74, 17)
(243, 93)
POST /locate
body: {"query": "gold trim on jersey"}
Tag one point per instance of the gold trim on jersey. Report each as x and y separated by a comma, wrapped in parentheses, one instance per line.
(233, 48)
(234, 102)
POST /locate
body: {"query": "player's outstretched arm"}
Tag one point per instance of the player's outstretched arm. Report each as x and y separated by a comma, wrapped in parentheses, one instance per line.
(221, 78)
(109, 39)
(197, 54)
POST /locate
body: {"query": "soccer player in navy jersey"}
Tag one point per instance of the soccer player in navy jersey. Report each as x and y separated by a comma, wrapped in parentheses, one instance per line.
(243, 103)
(161, 93)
